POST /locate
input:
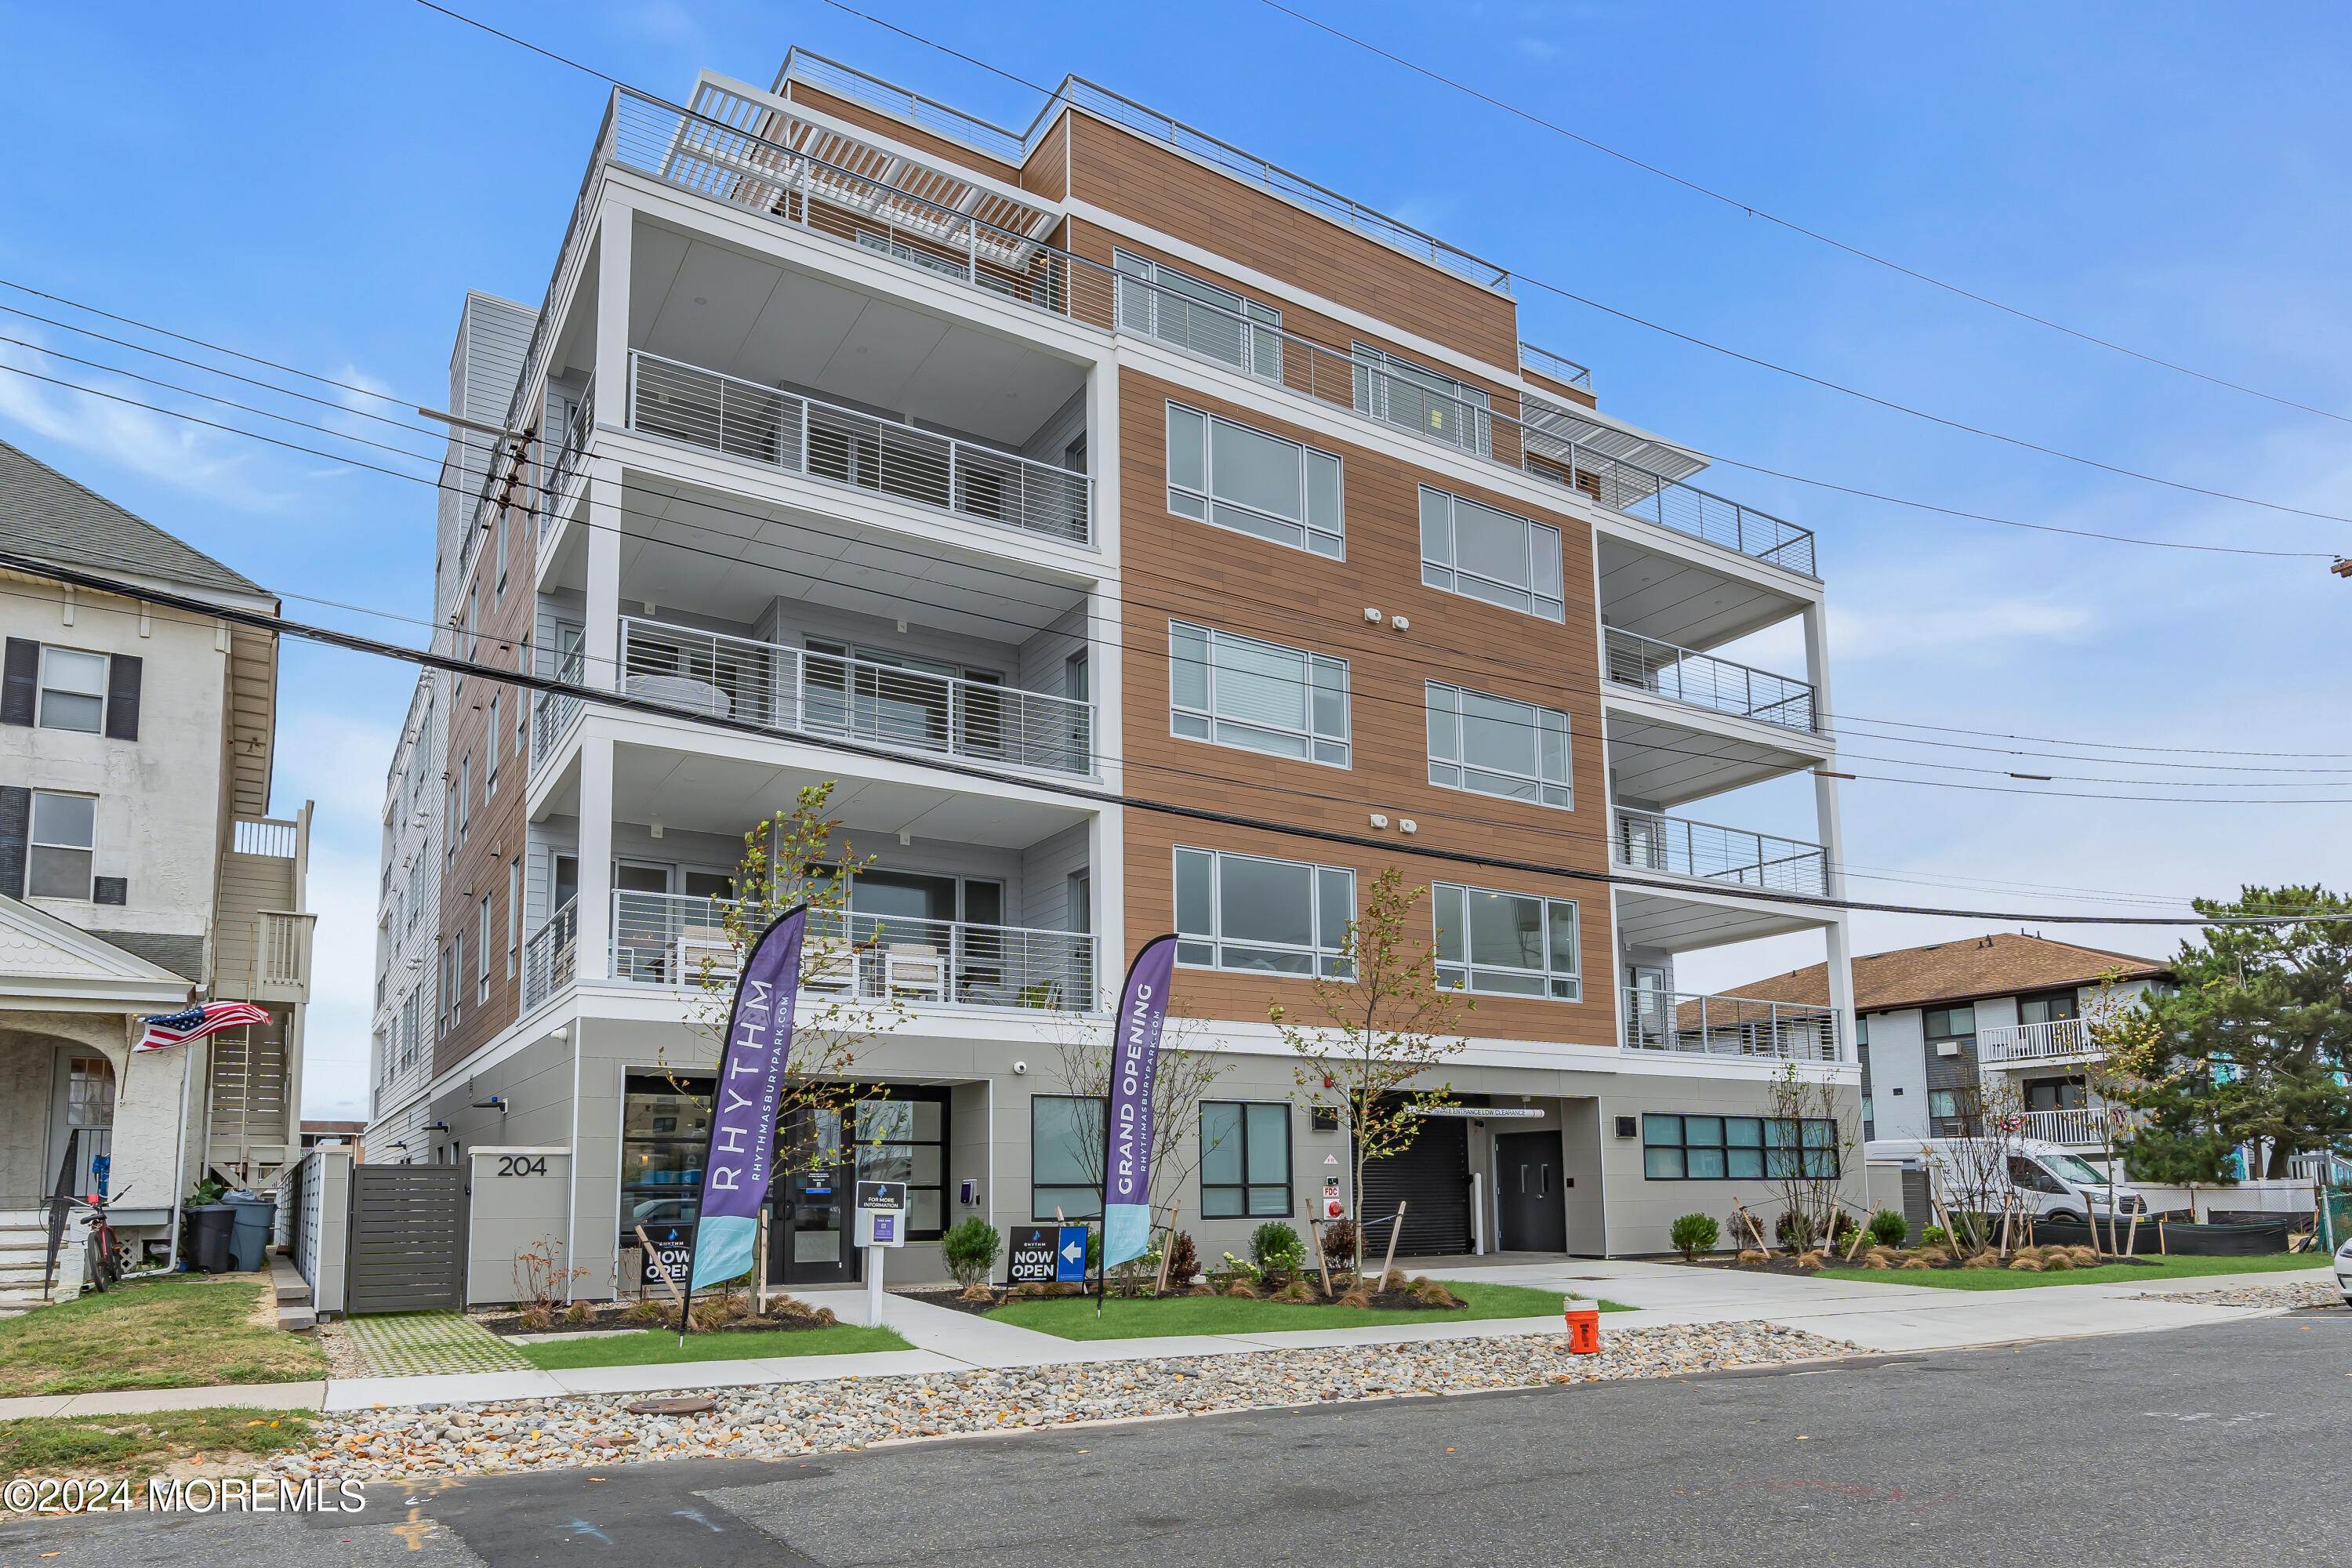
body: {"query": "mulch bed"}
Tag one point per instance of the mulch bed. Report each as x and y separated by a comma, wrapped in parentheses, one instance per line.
(952, 1299)
(1782, 1264)
(507, 1324)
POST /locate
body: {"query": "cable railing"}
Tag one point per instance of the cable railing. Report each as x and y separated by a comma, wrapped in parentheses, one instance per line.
(679, 940)
(551, 717)
(724, 160)
(1646, 841)
(1657, 1020)
(782, 431)
(1662, 669)
(1555, 367)
(550, 958)
(795, 691)
(576, 431)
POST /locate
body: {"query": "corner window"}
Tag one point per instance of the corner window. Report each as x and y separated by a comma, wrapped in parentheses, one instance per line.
(1506, 945)
(1259, 696)
(1065, 1154)
(1263, 916)
(62, 846)
(1216, 323)
(1233, 477)
(1736, 1148)
(1482, 553)
(1244, 1159)
(1491, 745)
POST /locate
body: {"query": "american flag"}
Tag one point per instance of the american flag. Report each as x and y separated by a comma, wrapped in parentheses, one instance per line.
(209, 1019)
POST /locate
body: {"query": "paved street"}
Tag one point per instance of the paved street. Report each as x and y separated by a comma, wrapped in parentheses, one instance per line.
(2212, 1445)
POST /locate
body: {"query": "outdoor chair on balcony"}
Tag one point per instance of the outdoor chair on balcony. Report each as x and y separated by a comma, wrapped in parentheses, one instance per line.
(698, 945)
(682, 692)
(828, 963)
(914, 970)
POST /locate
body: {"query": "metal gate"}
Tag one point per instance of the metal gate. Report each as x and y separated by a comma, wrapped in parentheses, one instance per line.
(407, 1238)
(1433, 1178)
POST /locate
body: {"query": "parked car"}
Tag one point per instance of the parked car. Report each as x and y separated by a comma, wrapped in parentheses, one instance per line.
(2051, 1183)
(2344, 1272)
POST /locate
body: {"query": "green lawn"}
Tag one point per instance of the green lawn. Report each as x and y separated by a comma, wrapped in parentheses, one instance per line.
(1073, 1316)
(2105, 1274)
(174, 1333)
(134, 1447)
(654, 1346)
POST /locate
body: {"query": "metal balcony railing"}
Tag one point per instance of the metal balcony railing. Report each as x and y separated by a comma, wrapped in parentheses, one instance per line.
(793, 690)
(671, 939)
(2035, 1042)
(1555, 367)
(565, 466)
(1726, 1026)
(552, 715)
(1645, 841)
(761, 424)
(550, 959)
(882, 210)
(1703, 680)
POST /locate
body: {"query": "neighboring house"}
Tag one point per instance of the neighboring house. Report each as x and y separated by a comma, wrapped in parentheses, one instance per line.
(1096, 454)
(332, 1133)
(1941, 1021)
(140, 869)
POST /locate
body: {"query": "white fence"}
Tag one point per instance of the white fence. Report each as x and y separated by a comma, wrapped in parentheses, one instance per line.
(319, 1203)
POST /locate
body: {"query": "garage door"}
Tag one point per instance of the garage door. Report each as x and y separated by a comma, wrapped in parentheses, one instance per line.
(1432, 1178)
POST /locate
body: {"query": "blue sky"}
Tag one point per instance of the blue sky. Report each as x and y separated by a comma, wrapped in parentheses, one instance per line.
(320, 186)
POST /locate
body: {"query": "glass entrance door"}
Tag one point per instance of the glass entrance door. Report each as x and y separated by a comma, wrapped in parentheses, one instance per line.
(812, 1246)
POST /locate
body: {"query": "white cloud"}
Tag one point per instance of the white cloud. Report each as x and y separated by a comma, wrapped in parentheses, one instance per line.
(1986, 631)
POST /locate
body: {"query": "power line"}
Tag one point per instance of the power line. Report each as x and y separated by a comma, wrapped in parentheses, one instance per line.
(352, 642)
(1791, 226)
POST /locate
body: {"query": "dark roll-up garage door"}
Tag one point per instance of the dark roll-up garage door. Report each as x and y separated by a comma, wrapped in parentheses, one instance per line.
(1432, 1178)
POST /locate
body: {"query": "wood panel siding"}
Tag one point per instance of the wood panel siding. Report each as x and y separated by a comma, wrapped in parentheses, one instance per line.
(1047, 172)
(1120, 171)
(850, 113)
(1559, 389)
(1175, 568)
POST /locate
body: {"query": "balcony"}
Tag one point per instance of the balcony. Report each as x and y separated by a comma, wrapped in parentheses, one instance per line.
(552, 714)
(1726, 1026)
(789, 690)
(550, 959)
(755, 156)
(1555, 367)
(1702, 681)
(675, 940)
(781, 430)
(2056, 1040)
(2086, 1126)
(1645, 841)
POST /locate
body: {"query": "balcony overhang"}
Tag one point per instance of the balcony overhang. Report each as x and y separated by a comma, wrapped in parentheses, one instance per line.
(1660, 584)
(1670, 753)
(1685, 918)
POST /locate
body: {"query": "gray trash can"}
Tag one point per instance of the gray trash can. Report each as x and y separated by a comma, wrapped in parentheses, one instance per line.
(209, 1226)
(248, 1241)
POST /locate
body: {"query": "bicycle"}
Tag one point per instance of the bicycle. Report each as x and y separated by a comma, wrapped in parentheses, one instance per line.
(105, 1267)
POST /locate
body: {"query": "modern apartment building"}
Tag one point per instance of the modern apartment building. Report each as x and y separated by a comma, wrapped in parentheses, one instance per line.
(1013, 482)
(1947, 1031)
(140, 868)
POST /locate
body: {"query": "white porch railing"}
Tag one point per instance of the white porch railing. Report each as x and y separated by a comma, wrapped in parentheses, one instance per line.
(2081, 1126)
(1726, 1026)
(2046, 1041)
(793, 690)
(1646, 841)
(550, 959)
(761, 424)
(2322, 1169)
(1704, 680)
(671, 939)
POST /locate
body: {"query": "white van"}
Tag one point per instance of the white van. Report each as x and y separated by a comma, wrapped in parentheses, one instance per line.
(2050, 1181)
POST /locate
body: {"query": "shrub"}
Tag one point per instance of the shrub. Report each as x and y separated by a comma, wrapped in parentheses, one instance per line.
(1841, 1228)
(1794, 1230)
(2058, 1261)
(650, 1308)
(1934, 1236)
(1746, 1231)
(1434, 1292)
(1340, 1243)
(579, 1312)
(2084, 1257)
(1275, 1248)
(1875, 1260)
(1695, 1233)
(1355, 1298)
(1298, 1290)
(2027, 1265)
(1243, 1291)
(1983, 1260)
(1810, 1259)
(1751, 1255)
(1919, 1262)
(1889, 1228)
(1183, 1261)
(970, 1249)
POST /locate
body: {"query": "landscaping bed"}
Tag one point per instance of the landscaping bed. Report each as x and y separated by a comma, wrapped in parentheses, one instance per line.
(176, 1331)
(133, 1448)
(784, 1315)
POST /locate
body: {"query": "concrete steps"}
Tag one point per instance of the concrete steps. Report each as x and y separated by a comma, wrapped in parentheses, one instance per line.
(23, 1257)
(295, 1312)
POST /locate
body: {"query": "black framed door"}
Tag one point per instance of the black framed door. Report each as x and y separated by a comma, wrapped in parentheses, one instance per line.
(1530, 1192)
(808, 1240)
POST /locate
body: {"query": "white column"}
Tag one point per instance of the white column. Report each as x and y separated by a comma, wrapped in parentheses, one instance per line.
(595, 898)
(601, 634)
(1829, 831)
(607, 521)
(616, 227)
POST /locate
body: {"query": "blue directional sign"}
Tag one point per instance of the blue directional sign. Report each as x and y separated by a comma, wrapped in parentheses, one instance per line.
(1070, 1256)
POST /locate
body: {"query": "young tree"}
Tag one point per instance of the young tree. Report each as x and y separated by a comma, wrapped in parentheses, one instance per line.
(1386, 1024)
(1181, 1080)
(2254, 1049)
(1807, 1176)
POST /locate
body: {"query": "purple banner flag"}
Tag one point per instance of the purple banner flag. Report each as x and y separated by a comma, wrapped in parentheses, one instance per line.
(1128, 1128)
(739, 1165)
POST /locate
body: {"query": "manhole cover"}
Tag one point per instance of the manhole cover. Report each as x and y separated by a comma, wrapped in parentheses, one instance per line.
(683, 1405)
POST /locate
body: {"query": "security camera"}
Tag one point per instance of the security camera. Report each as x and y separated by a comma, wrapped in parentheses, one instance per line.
(1020, 1066)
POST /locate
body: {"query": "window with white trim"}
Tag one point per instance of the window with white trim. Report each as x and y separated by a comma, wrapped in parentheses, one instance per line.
(1234, 691)
(1216, 323)
(1491, 745)
(1262, 915)
(1233, 477)
(1506, 945)
(1482, 553)
(62, 846)
(73, 689)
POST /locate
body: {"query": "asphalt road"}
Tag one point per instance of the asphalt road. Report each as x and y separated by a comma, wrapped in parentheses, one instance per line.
(2213, 1447)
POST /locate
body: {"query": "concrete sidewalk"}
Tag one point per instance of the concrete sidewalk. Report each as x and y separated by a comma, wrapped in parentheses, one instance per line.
(1874, 1317)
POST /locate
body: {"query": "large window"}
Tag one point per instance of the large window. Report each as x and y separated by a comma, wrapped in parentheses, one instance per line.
(1506, 945)
(1244, 479)
(1734, 1148)
(665, 1132)
(1422, 400)
(1276, 917)
(1482, 553)
(73, 689)
(904, 1139)
(1260, 696)
(1215, 323)
(1065, 1154)
(1492, 745)
(62, 846)
(1244, 1159)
